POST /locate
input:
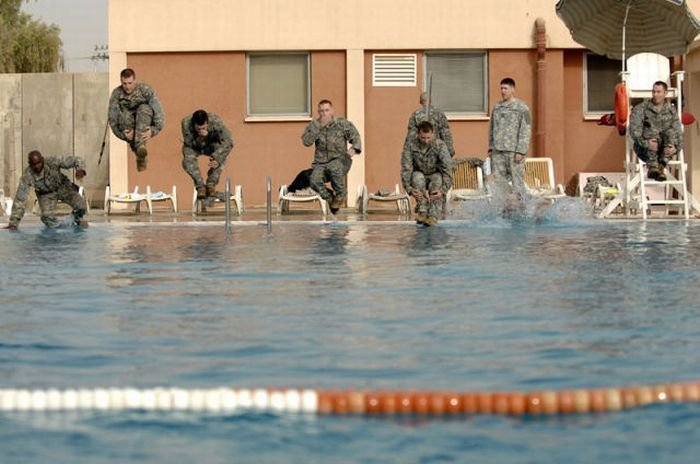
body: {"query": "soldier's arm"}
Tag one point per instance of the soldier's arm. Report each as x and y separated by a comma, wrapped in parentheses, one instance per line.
(353, 136)
(225, 144)
(158, 113)
(406, 168)
(187, 138)
(446, 134)
(524, 132)
(636, 124)
(311, 133)
(446, 169)
(18, 205)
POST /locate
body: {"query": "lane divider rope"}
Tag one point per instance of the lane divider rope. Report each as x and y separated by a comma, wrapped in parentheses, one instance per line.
(350, 402)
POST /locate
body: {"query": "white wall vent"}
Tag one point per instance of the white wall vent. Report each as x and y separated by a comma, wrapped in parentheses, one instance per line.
(394, 70)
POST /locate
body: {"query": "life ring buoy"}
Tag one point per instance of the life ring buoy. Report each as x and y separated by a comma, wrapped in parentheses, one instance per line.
(621, 108)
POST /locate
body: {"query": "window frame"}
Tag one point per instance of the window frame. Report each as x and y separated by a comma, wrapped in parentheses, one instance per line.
(305, 114)
(481, 113)
(587, 111)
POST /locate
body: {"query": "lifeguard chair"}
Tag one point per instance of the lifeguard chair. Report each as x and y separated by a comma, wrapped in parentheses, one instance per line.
(640, 194)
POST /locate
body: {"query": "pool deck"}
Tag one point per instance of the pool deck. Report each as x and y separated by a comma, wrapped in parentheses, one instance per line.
(259, 215)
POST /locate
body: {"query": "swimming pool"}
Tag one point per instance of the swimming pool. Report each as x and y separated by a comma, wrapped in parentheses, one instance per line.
(486, 305)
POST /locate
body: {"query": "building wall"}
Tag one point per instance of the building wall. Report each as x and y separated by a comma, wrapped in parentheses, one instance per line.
(194, 56)
(57, 114)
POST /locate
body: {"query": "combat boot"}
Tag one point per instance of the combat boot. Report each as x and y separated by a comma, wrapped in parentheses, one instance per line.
(421, 218)
(653, 172)
(661, 176)
(201, 193)
(141, 158)
(211, 190)
(336, 203)
(431, 221)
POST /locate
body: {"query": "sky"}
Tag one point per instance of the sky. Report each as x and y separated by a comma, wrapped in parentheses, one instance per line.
(83, 26)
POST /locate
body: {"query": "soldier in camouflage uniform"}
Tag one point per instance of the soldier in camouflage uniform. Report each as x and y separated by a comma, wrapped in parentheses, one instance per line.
(426, 173)
(50, 186)
(509, 140)
(204, 134)
(437, 118)
(332, 157)
(135, 114)
(656, 131)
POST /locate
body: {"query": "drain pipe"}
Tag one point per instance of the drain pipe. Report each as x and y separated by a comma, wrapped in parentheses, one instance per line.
(541, 43)
(269, 205)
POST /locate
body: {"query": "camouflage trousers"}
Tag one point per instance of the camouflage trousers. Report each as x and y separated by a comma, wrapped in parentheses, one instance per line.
(508, 176)
(190, 164)
(650, 157)
(425, 184)
(139, 121)
(66, 193)
(334, 171)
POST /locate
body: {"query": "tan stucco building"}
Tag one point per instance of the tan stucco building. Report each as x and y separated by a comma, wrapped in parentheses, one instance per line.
(263, 65)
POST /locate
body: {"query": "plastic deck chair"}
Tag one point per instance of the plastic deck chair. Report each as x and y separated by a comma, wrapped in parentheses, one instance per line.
(402, 199)
(5, 203)
(135, 198)
(200, 206)
(539, 179)
(302, 196)
(467, 183)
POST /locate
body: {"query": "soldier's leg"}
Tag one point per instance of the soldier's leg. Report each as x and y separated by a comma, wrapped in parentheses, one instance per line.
(650, 157)
(144, 118)
(435, 207)
(500, 169)
(68, 195)
(517, 171)
(47, 205)
(191, 167)
(337, 169)
(418, 182)
(317, 182)
(214, 174)
(127, 121)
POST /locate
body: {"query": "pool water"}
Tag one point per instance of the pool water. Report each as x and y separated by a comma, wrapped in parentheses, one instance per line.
(473, 305)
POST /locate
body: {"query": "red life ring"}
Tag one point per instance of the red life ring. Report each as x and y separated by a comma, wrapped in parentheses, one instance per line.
(621, 108)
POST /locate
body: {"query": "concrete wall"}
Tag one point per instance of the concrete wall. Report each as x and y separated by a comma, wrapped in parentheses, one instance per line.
(57, 114)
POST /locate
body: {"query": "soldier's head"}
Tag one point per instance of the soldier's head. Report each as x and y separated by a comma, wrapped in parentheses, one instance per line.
(424, 99)
(36, 161)
(128, 80)
(325, 106)
(425, 132)
(200, 122)
(507, 88)
(658, 92)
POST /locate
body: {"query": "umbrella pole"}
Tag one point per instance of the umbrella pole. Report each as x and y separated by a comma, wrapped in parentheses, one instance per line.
(624, 35)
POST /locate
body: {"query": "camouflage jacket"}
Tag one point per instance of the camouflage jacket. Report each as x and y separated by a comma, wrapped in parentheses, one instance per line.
(332, 140)
(510, 127)
(49, 180)
(440, 124)
(434, 159)
(120, 102)
(217, 144)
(649, 121)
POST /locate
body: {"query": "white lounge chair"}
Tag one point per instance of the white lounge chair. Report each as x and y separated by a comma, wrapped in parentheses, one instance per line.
(202, 206)
(539, 179)
(467, 183)
(135, 198)
(402, 199)
(301, 196)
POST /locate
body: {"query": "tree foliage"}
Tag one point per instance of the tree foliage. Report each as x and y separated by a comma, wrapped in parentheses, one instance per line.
(27, 45)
